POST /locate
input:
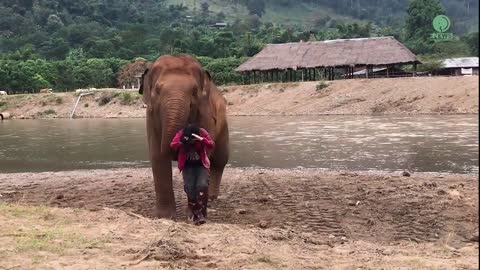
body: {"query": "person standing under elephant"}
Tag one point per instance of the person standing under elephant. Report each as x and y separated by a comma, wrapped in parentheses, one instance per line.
(193, 143)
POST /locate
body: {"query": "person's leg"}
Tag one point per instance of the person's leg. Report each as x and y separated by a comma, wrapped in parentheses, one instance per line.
(202, 193)
(189, 185)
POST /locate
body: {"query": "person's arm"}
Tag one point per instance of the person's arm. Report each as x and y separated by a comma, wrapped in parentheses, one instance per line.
(207, 140)
(177, 140)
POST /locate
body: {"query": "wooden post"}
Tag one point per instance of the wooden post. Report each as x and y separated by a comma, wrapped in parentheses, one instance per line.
(314, 74)
(366, 72)
(414, 69)
(388, 72)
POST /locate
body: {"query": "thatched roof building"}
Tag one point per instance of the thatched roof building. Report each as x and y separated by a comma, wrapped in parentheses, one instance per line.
(380, 51)
(330, 54)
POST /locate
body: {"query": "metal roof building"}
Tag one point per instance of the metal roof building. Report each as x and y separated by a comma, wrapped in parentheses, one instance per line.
(459, 66)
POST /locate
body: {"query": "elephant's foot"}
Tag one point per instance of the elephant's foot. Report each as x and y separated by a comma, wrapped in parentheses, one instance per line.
(165, 212)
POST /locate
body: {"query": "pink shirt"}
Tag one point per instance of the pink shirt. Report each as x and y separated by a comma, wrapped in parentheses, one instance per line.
(202, 147)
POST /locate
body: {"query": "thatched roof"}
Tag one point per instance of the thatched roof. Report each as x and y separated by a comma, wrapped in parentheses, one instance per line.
(377, 51)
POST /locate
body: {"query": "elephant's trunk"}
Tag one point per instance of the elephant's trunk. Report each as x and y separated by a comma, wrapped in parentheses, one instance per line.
(175, 112)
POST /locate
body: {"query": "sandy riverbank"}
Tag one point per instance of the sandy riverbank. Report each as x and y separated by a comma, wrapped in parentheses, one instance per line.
(422, 95)
(264, 219)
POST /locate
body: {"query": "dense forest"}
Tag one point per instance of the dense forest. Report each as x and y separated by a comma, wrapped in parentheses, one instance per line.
(68, 44)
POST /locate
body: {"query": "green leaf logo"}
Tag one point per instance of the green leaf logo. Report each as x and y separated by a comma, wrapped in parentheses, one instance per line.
(441, 23)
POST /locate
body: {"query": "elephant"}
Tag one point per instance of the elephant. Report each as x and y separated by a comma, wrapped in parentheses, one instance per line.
(177, 91)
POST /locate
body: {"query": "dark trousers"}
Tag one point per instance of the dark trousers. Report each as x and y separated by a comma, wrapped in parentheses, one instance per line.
(195, 179)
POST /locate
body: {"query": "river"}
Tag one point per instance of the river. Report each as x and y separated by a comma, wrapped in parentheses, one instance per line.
(361, 143)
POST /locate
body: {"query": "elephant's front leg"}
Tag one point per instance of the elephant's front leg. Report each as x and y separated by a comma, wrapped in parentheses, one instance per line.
(165, 200)
(214, 185)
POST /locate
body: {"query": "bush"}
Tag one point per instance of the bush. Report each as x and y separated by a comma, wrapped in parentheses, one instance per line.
(126, 98)
(59, 100)
(86, 105)
(49, 111)
(321, 85)
(430, 65)
(2, 103)
(105, 99)
(222, 69)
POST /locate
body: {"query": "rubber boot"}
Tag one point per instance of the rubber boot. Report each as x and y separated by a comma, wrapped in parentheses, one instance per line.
(201, 206)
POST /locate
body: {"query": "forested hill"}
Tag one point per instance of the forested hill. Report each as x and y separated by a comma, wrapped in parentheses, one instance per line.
(68, 44)
(133, 28)
(314, 13)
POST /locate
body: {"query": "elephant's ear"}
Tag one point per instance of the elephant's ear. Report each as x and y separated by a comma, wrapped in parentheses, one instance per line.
(142, 83)
(145, 85)
(207, 85)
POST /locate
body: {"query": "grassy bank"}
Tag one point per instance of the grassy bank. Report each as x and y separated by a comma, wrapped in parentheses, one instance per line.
(422, 95)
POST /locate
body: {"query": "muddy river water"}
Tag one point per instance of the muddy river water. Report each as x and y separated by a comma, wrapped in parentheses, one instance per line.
(391, 143)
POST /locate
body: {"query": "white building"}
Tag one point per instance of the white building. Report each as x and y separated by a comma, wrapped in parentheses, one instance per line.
(460, 66)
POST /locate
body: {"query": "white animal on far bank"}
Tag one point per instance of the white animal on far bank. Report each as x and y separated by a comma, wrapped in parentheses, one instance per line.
(3, 93)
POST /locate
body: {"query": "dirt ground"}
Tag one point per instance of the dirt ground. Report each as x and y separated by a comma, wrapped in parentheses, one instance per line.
(264, 219)
(421, 95)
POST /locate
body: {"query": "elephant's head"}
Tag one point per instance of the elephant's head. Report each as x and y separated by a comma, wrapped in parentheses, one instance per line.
(174, 89)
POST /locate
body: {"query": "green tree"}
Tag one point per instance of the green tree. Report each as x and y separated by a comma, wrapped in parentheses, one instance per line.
(256, 7)
(205, 8)
(472, 41)
(418, 30)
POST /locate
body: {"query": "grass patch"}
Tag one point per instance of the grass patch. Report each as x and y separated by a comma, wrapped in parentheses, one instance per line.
(3, 104)
(49, 111)
(55, 240)
(41, 229)
(126, 98)
(321, 85)
(22, 211)
(58, 100)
